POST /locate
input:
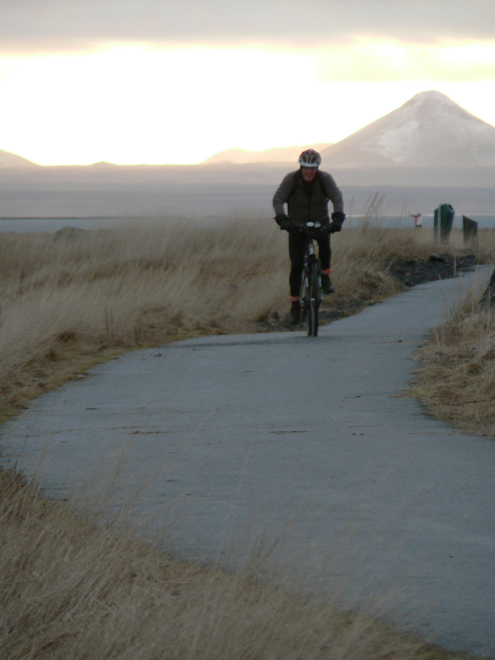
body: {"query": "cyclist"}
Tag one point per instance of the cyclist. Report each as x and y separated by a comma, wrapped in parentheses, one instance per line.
(307, 192)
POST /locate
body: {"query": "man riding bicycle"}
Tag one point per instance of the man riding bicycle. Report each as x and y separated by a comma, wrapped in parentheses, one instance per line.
(306, 193)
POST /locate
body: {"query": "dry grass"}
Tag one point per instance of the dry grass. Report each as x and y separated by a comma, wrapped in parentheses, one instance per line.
(457, 378)
(72, 590)
(68, 301)
(80, 296)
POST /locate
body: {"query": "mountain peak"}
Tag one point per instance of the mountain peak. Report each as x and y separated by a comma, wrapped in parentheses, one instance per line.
(431, 96)
(429, 130)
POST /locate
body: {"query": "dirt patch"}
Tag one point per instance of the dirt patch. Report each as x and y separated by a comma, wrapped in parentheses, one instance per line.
(438, 267)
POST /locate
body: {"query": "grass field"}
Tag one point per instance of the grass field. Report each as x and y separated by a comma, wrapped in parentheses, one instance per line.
(456, 379)
(68, 300)
(72, 589)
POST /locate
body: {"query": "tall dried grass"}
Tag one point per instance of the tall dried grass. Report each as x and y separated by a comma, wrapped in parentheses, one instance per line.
(456, 380)
(73, 296)
(71, 590)
(68, 299)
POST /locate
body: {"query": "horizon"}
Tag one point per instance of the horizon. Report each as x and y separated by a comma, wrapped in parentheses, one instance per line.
(229, 149)
(147, 83)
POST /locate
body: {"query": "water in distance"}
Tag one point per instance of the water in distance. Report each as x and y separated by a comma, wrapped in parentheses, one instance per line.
(22, 225)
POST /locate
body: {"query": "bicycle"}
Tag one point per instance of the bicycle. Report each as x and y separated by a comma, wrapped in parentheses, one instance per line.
(311, 283)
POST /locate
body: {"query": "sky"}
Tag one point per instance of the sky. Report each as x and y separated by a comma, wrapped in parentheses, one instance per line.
(176, 81)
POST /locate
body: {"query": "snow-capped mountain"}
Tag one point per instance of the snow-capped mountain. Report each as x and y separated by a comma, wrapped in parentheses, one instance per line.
(13, 161)
(429, 130)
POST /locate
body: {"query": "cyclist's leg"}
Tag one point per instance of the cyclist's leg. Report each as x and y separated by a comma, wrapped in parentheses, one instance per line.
(325, 255)
(324, 250)
(297, 247)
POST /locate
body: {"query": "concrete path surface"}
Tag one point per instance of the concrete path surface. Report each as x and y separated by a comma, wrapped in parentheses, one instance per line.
(232, 442)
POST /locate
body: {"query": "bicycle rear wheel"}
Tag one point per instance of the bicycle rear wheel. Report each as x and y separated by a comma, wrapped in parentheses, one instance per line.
(313, 299)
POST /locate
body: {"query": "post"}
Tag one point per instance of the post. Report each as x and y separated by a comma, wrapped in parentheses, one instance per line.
(488, 299)
(418, 219)
(470, 232)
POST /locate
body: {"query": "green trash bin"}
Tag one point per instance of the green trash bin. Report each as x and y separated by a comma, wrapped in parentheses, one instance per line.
(442, 223)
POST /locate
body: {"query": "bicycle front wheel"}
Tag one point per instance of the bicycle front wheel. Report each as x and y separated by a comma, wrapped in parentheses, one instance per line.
(313, 299)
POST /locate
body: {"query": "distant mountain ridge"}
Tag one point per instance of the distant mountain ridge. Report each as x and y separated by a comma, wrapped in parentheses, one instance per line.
(277, 155)
(10, 160)
(430, 130)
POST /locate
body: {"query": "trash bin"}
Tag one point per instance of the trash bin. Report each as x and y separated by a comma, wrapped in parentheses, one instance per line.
(442, 223)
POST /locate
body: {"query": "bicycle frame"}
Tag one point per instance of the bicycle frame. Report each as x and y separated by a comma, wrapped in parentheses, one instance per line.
(311, 284)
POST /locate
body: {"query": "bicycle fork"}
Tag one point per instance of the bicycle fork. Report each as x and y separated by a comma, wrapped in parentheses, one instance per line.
(311, 259)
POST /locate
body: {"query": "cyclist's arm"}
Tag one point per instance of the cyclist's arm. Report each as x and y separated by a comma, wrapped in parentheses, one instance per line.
(333, 192)
(282, 195)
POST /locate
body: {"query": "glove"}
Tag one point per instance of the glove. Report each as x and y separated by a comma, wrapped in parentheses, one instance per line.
(283, 221)
(337, 220)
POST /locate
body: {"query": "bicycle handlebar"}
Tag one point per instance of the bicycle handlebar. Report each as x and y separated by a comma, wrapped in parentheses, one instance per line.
(310, 227)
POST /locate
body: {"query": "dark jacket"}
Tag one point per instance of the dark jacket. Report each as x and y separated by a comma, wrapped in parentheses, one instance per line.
(303, 208)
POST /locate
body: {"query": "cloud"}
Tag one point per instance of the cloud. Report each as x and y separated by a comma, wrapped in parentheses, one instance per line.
(390, 60)
(63, 24)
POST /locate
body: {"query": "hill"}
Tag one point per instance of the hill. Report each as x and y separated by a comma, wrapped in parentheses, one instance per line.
(246, 157)
(9, 160)
(430, 130)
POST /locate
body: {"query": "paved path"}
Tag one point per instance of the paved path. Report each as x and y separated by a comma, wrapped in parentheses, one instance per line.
(229, 440)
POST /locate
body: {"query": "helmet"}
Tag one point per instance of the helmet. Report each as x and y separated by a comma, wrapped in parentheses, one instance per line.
(310, 158)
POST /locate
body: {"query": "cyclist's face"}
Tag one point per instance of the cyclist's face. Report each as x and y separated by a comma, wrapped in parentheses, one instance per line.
(309, 173)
